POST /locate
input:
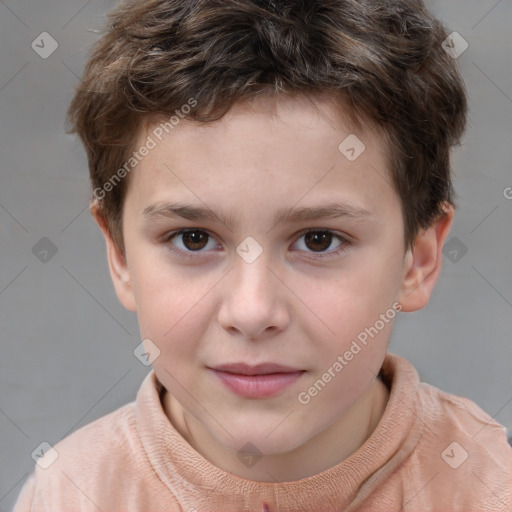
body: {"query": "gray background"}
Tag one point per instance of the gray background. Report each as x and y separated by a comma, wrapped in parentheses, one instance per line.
(67, 344)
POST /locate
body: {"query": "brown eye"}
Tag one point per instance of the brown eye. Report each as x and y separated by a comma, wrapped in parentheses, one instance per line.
(190, 240)
(194, 240)
(318, 240)
(318, 243)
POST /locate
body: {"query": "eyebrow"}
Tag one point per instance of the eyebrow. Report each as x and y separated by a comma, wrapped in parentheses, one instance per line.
(332, 210)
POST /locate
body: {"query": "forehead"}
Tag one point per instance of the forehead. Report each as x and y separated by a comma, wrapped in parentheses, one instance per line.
(265, 153)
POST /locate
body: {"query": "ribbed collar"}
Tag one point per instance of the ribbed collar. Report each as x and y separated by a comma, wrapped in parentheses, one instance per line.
(200, 485)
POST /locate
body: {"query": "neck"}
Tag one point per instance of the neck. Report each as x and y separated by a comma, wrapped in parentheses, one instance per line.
(335, 443)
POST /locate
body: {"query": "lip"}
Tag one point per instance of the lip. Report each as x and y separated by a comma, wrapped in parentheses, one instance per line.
(258, 381)
(258, 369)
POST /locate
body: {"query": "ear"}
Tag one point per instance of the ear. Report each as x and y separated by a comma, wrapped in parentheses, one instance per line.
(118, 267)
(423, 263)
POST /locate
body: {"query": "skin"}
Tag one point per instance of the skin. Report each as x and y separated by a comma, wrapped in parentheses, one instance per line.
(287, 306)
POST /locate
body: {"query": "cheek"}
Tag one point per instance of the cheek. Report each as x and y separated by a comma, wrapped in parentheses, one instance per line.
(171, 305)
(348, 299)
(347, 309)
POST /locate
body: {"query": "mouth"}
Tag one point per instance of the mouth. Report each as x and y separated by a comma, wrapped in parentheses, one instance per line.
(259, 369)
(259, 381)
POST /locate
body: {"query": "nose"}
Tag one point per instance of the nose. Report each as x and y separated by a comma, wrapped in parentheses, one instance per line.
(255, 302)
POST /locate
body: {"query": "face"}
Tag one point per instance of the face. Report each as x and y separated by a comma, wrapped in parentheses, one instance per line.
(301, 256)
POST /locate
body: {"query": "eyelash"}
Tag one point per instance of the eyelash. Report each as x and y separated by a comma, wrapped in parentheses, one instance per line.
(345, 243)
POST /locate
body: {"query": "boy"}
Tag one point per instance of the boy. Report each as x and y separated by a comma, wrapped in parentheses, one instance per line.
(228, 142)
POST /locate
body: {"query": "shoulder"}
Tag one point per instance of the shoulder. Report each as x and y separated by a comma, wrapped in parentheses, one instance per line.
(461, 414)
(106, 438)
(463, 453)
(49, 484)
(101, 463)
(94, 449)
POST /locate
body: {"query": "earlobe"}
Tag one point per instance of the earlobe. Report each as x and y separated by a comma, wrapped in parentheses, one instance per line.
(119, 271)
(423, 263)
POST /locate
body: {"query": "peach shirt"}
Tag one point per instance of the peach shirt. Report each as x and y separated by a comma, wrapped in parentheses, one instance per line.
(431, 451)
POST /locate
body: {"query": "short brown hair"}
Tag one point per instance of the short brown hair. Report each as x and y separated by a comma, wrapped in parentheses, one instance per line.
(382, 58)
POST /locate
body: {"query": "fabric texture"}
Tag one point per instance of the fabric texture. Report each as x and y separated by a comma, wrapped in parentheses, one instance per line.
(431, 451)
